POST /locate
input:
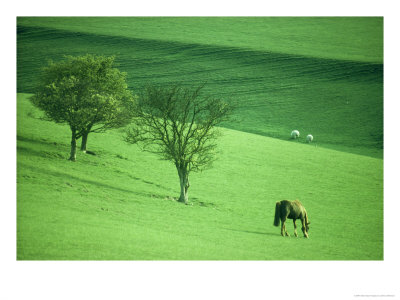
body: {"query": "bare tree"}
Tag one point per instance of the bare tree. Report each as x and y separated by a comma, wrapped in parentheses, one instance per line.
(179, 125)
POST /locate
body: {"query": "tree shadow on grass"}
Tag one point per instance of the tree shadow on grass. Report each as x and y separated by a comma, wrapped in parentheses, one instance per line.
(25, 150)
(42, 154)
(40, 141)
(55, 155)
(254, 232)
(88, 181)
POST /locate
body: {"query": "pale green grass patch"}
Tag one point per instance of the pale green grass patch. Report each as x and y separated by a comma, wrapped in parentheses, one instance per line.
(120, 205)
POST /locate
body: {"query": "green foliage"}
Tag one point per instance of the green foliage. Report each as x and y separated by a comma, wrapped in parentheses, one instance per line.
(179, 124)
(86, 92)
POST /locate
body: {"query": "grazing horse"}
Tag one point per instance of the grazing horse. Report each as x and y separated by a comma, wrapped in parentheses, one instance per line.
(286, 209)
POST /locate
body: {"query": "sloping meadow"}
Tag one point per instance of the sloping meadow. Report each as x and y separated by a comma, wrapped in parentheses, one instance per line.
(121, 203)
(334, 97)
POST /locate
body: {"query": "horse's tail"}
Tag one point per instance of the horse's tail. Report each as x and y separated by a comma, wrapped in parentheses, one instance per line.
(277, 213)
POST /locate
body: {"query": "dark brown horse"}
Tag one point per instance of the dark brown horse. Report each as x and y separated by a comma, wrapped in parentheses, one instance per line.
(286, 209)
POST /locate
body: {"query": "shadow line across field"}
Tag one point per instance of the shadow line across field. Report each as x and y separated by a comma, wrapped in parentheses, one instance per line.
(87, 181)
(253, 232)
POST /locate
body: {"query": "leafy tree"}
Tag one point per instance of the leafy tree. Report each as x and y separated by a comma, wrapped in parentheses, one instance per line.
(86, 92)
(179, 125)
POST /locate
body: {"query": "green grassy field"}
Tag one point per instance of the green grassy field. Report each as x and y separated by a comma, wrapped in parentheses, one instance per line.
(339, 100)
(356, 39)
(120, 204)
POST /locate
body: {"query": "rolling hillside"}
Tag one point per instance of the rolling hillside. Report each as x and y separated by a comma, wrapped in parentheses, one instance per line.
(335, 97)
(120, 204)
(322, 76)
(341, 38)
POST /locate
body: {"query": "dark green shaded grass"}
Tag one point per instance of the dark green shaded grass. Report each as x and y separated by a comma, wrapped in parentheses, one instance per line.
(343, 38)
(121, 203)
(340, 102)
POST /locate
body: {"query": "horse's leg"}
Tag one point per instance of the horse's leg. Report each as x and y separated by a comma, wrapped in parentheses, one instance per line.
(287, 233)
(303, 227)
(283, 229)
(295, 227)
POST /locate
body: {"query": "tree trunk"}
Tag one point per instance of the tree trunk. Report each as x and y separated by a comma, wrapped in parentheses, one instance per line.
(184, 182)
(73, 146)
(84, 141)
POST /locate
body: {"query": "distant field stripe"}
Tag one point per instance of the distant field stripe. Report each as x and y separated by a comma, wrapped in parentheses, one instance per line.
(350, 38)
(248, 55)
(167, 53)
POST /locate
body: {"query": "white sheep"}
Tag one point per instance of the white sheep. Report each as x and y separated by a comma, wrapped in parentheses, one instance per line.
(309, 138)
(295, 134)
